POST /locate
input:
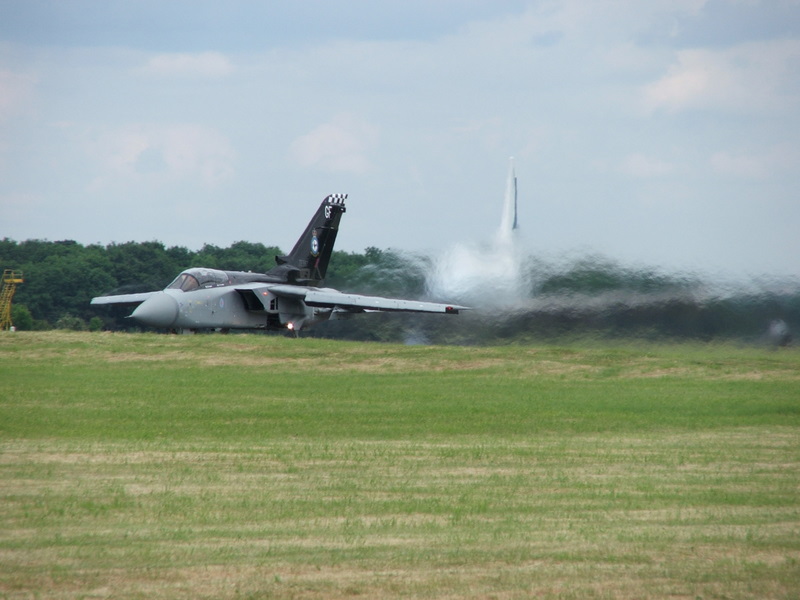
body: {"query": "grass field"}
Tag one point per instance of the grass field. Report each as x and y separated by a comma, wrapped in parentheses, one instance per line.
(142, 466)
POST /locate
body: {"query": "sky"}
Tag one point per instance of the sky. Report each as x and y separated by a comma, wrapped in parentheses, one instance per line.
(663, 134)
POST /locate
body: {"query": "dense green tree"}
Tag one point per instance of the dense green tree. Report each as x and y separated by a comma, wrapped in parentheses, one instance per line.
(21, 317)
(343, 267)
(241, 256)
(388, 272)
(142, 266)
(71, 322)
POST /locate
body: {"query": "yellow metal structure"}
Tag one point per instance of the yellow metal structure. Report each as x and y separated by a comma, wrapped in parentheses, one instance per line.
(11, 279)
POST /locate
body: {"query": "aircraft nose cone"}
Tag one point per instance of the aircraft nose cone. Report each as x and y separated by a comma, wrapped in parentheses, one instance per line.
(159, 310)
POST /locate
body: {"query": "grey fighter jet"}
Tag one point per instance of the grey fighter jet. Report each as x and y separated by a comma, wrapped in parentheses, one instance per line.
(286, 297)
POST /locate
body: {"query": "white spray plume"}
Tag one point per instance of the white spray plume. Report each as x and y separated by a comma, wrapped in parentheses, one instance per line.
(488, 274)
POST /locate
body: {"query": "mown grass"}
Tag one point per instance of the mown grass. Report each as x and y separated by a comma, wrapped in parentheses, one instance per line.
(143, 466)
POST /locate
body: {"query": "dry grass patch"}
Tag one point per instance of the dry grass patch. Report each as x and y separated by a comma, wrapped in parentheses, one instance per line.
(256, 467)
(595, 515)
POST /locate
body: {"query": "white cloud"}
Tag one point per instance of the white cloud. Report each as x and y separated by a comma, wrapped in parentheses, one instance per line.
(740, 165)
(203, 64)
(600, 23)
(639, 165)
(780, 159)
(190, 150)
(341, 145)
(174, 152)
(748, 77)
(15, 90)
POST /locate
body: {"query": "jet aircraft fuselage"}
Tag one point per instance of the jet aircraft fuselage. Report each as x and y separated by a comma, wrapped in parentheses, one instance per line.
(286, 297)
(208, 298)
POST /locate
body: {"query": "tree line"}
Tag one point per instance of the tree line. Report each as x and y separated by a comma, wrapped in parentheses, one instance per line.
(586, 297)
(61, 277)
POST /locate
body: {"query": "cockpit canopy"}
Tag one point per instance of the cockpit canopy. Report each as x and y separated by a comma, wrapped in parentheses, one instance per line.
(193, 279)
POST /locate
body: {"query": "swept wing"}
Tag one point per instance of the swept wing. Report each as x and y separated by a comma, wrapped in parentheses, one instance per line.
(330, 298)
(123, 298)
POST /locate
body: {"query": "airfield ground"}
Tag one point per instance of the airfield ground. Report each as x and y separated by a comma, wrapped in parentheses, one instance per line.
(142, 466)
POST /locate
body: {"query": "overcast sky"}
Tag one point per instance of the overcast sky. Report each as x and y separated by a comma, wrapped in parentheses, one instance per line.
(663, 133)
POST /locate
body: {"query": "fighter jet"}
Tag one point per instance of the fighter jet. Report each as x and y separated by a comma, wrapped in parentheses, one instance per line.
(286, 297)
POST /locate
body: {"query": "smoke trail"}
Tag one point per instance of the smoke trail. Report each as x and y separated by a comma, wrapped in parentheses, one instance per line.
(518, 296)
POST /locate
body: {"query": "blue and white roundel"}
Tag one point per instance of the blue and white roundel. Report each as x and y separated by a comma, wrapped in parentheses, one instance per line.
(314, 245)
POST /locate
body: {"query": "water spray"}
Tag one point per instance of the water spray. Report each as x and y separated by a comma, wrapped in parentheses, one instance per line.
(489, 274)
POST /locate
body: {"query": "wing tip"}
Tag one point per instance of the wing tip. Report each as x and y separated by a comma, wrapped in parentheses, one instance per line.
(455, 309)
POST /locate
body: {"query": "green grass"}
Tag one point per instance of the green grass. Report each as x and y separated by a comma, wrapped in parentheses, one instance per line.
(142, 466)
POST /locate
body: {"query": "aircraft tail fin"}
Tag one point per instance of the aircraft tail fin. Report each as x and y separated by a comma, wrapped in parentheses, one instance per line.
(307, 263)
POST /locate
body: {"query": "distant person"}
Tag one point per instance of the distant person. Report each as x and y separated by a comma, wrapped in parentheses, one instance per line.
(779, 334)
